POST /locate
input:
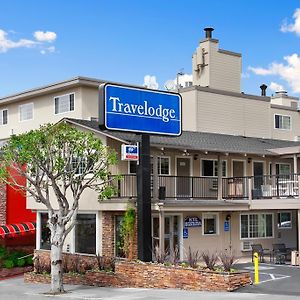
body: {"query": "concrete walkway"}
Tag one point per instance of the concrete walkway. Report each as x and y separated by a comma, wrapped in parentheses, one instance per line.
(16, 289)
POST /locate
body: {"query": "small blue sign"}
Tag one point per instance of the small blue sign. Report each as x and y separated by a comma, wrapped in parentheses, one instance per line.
(185, 233)
(192, 222)
(140, 110)
(226, 226)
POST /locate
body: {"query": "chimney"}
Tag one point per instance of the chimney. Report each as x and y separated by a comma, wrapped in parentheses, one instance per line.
(263, 88)
(208, 32)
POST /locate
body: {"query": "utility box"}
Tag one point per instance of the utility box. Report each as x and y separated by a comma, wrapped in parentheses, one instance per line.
(295, 258)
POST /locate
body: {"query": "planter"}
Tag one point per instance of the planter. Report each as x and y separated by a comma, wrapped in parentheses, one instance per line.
(6, 273)
(151, 275)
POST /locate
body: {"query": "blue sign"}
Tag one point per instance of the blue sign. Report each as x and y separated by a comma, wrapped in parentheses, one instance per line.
(185, 233)
(226, 226)
(140, 110)
(130, 152)
(192, 222)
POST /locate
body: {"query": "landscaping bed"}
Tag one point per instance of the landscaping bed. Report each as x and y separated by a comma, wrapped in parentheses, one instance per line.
(148, 275)
(6, 273)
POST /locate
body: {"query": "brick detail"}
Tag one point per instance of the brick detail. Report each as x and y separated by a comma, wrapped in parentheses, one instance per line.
(149, 275)
(2, 204)
(108, 234)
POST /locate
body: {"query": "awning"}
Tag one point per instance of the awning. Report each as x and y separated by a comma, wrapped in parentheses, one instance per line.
(14, 230)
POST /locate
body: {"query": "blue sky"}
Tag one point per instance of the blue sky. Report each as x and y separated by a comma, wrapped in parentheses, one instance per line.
(47, 41)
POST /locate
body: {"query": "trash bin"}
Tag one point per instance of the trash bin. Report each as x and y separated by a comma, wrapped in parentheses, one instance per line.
(295, 258)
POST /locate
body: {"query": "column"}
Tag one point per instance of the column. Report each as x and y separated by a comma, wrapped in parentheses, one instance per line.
(219, 178)
(161, 230)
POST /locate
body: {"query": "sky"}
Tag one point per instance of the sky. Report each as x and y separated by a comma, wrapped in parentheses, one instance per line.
(145, 42)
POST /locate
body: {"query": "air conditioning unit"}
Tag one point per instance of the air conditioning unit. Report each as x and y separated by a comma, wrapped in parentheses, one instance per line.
(246, 246)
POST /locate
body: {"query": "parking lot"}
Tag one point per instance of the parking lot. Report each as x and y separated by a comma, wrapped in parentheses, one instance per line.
(274, 279)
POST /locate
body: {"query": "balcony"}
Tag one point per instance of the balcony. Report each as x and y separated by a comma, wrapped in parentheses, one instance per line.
(206, 188)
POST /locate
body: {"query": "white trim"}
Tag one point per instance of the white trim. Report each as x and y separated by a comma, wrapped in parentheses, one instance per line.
(255, 238)
(38, 231)
(244, 166)
(65, 112)
(1, 112)
(285, 129)
(278, 219)
(217, 223)
(26, 104)
(99, 232)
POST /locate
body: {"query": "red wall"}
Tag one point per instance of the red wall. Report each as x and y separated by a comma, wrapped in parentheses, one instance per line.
(16, 211)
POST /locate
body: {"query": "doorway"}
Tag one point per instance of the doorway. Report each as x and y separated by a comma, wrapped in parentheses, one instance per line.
(183, 178)
(258, 172)
(171, 235)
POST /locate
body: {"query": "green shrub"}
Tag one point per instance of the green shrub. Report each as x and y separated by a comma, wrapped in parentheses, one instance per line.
(3, 252)
(21, 262)
(29, 261)
(8, 264)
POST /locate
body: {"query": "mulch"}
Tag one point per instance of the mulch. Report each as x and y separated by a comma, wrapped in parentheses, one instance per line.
(7, 273)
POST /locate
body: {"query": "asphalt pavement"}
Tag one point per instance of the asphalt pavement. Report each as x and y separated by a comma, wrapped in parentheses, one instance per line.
(16, 289)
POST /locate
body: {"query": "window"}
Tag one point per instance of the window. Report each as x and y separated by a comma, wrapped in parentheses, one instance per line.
(256, 226)
(45, 232)
(64, 103)
(210, 168)
(119, 252)
(210, 224)
(163, 166)
(282, 122)
(3, 116)
(284, 220)
(26, 112)
(283, 169)
(80, 165)
(85, 233)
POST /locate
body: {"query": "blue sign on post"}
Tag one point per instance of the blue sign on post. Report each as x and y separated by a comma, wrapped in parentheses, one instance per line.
(140, 110)
(185, 233)
(226, 226)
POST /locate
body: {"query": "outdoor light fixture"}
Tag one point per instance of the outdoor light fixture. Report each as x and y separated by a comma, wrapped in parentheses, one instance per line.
(195, 156)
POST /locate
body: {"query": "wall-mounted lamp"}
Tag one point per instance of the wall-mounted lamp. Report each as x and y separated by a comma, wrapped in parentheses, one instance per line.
(206, 152)
(228, 217)
(195, 156)
(249, 160)
(185, 152)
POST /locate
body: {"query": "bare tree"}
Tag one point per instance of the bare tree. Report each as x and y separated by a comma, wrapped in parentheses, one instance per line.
(59, 163)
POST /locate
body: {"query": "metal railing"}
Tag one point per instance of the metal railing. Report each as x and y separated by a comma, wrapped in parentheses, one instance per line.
(192, 187)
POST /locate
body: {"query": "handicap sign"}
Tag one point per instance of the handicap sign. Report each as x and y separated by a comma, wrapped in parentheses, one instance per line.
(185, 233)
(226, 226)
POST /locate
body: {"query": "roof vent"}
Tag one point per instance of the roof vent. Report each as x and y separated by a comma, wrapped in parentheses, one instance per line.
(263, 88)
(208, 32)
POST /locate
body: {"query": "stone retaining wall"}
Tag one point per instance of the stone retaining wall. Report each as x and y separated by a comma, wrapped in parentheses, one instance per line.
(151, 275)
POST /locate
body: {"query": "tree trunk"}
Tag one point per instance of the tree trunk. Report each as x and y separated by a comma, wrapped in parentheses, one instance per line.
(56, 262)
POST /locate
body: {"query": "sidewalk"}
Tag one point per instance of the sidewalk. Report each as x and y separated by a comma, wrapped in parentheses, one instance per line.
(16, 289)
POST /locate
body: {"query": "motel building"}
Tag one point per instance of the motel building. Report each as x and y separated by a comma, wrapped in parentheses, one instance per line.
(229, 181)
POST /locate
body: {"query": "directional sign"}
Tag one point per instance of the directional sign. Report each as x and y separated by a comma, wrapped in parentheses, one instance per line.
(140, 110)
(130, 152)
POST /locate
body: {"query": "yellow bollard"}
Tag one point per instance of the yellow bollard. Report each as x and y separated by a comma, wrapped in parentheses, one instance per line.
(256, 276)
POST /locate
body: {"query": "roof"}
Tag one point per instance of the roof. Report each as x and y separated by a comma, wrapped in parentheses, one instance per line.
(190, 140)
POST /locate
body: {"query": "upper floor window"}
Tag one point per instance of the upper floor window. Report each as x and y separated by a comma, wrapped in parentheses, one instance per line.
(26, 111)
(283, 122)
(210, 167)
(3, 116)
(163, 166)
(64, 103)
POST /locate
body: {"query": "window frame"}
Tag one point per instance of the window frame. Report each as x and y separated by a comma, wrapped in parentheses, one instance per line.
(248, 225)
(283, 116)
(214, 161)
(1, 113)
(65, 112)
(26, 104)
(278, 219)
(204, 216)
(159, 166)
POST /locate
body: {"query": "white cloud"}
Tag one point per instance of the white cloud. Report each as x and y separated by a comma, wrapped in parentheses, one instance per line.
(276, 87)
(150, 82)
(50, 49)
(7, 44)
(289, 72)
(245, 75)
(292, 27)
(184, 80)
(45, 36)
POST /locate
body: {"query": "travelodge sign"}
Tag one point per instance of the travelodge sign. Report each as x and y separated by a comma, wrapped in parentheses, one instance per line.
(140, 110)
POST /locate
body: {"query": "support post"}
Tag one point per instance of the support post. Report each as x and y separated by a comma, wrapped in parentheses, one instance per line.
(155, 178)
(219, 178)
(295, 164)
(144, 201)
(161, 231)
(298, 229)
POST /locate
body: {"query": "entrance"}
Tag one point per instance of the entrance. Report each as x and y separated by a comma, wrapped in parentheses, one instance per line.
(171, 235)
(183, 179)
